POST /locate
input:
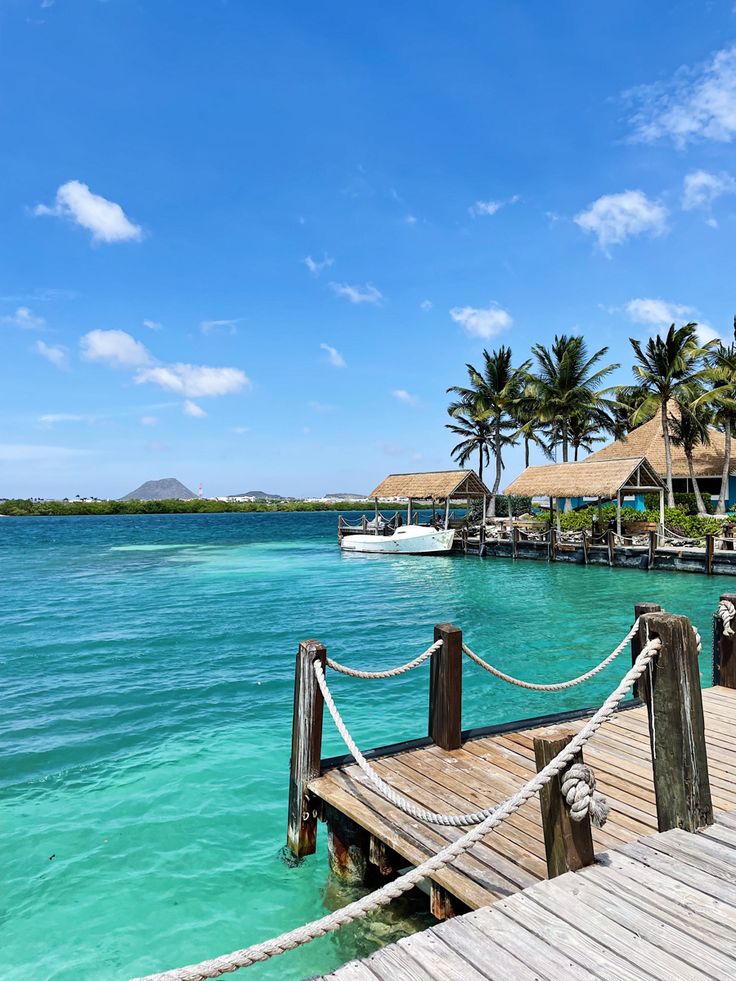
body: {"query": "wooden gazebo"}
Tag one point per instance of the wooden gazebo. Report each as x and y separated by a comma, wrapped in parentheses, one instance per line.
(604, 480)
(438, 487)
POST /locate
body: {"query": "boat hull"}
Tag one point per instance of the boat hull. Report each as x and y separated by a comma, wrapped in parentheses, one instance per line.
(410, 540)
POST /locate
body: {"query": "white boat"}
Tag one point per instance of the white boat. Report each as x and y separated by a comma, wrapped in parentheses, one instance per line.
(407, 540)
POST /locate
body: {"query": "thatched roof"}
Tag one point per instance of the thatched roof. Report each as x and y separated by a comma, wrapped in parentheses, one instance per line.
(647, 440)
(426, 486)
(599, 478)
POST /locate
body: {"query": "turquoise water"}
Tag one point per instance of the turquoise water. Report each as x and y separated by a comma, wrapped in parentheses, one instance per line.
(145, 713)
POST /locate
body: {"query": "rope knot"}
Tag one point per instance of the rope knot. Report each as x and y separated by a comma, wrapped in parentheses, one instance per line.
(727, 611)
(578, 789)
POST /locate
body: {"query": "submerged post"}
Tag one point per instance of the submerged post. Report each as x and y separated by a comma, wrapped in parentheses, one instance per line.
(676, 724)
(639, 610)
(306, 748)
(568, 844)
(724, 648)
(446, 687)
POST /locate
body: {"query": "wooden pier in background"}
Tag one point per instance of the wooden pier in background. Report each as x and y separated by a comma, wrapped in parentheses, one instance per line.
(690, 782)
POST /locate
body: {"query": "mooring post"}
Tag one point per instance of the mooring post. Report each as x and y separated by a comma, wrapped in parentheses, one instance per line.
(639, 610)
(347, 847)
(442, 904)
(446, 687)
(611, 546)
(676, 724)
(652, 549)
(306, 748)
(724, 649)
(709, 554)
(567, 843)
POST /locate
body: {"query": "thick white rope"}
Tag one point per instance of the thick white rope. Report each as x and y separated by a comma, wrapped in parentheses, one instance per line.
(394, 796)
(382, 897)
(727, 611)
(391, 672)
(560, 685)
(578, 789)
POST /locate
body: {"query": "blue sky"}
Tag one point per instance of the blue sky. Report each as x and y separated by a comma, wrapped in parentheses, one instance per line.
(250, 245)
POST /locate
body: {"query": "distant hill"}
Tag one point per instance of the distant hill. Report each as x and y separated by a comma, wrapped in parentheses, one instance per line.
(160, 490)
(345, 496)
(260, 496)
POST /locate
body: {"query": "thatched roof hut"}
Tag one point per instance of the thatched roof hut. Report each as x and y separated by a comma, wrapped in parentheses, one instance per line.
(602, 479)
(647, 440)
(437, 485)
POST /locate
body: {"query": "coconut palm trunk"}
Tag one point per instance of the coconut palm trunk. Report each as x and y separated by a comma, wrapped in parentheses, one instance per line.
(667, 454)
(499, 468)
(722, 497)
(696, 489)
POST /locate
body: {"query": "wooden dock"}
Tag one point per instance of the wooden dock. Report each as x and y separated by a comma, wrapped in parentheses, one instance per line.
(663, 907)
(487, 769)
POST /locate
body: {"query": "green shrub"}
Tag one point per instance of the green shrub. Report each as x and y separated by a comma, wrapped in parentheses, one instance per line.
(519, 505)
(687, 502)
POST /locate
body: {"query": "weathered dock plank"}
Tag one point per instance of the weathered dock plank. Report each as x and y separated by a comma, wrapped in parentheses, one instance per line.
(662, 907)
(486, 769)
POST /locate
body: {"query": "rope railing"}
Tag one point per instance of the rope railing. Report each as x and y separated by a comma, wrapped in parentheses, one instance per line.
(390, 672)
(727, 612)
(256, 953)
(562, 685)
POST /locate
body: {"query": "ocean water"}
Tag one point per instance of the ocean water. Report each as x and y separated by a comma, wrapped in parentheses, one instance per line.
(145, 712)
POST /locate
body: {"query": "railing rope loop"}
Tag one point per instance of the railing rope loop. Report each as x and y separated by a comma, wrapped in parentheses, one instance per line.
(578, 789)
(727, 612)
(389, 673)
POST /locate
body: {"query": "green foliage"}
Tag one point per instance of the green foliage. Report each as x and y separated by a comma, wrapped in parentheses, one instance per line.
(685, 502)
(23, 508)
(676, 519)
(519, 505)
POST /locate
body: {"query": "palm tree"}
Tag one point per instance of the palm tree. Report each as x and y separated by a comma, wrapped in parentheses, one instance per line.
(567, 385)
(721, 373)
(690, 428)
(492, 396)
(529, 427)
(668, 369)
(585, 431)
(475, 437)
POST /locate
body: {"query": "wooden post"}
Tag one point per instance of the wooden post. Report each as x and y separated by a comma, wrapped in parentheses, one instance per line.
(639, 610)
(611, 546)
(482, 540)
(552, 544)
(724, 650)
(348, 847)
(676, 724)
(446, 687)
(364, 523)
(515, 542)
(652, 549)
(709, 550)
(618, 513)
(306, 748)
(567, 843)
(339, 528)
(442, 904)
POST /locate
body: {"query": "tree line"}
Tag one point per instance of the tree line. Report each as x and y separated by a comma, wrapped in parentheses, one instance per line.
(557, 401)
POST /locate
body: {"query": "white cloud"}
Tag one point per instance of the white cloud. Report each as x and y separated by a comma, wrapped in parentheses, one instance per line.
(114, 347)
(401, 395)
(54, 353)
(152, 324)
(333, 356)
(480, 322)
(192, 409)
(357, 294)
(149, 421)
(51, 418)
(195, 381)
(615, 217)
(24, 318)
(320, 406)
(695, 104)
(241, 429)
(659, 314)
(105, 219)
(411, 219)
(315, 266)
(212, 326)
(701, 188)
(425, 305)
(485, 208)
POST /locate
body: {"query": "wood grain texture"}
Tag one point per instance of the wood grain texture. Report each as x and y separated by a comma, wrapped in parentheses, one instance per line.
(306, 749)
(446, 687)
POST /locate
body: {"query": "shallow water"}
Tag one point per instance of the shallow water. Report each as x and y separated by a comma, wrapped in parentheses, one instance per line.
(145, 714)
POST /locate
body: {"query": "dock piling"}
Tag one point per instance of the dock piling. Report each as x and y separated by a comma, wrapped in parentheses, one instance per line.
(639, 610)
(306, 749)
(446, 687)
(568, 844)
(724, 649)
(676, 724)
